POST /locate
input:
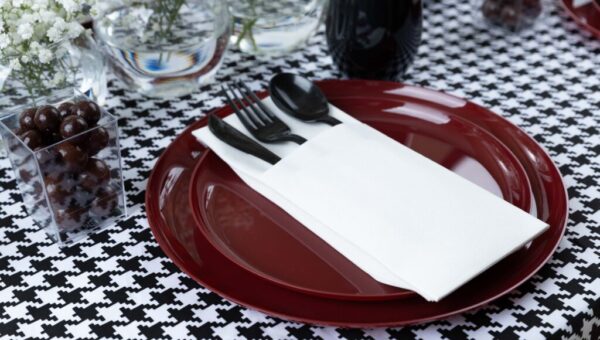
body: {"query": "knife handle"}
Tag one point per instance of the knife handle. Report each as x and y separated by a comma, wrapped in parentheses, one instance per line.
(240, 141)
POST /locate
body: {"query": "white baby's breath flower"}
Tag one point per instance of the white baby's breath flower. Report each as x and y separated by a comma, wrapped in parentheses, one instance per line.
(25, 30)
(29, 30)
(44, 55)
(69, 5)
(34, 46)
(55, 33)
(15, 64)
(59, 77)
(38, 5)
(4, 41)
(74, 29)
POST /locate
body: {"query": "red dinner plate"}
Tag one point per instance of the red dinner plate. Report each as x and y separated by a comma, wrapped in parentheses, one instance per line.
(587, 16)
(173, 226)
(259, 236)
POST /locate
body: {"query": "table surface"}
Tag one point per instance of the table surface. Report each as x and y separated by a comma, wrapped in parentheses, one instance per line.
(119, 283)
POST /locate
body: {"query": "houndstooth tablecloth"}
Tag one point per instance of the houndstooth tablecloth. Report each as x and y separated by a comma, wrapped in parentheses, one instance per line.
(118, 283)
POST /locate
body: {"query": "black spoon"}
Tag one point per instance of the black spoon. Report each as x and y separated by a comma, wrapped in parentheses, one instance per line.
(300, 98)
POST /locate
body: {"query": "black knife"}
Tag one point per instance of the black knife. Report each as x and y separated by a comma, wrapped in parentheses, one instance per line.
(238, 140)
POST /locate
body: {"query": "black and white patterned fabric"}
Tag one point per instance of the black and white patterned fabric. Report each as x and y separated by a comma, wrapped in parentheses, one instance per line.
(118, 283)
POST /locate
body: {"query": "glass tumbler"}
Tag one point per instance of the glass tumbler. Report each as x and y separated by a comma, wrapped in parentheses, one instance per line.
(164, 48)
(274, 26)
(374, 39)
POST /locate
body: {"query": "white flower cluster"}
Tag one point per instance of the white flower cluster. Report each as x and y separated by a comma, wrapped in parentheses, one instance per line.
(31, 30)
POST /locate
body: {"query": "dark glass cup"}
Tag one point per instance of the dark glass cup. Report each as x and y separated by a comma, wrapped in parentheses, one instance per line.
(374, 39)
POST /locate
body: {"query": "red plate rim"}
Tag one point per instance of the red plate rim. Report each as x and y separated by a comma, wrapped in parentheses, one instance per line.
(568, 7)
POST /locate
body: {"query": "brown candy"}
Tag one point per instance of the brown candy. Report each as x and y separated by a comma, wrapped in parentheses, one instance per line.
(47, 119)
(97, 140)
(533, 8)
(106, 202)
(32, 139)
(65, 109)
(26, 176)
(512, 14)
(70, 218)
(59, 190)
(73, 156)
(73, 125)
(51, 138)
(87, 110)
(45, 156)
(26, 119)
(95, 175)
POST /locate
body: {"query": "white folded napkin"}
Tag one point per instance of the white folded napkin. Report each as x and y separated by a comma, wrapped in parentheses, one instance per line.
(402, 218)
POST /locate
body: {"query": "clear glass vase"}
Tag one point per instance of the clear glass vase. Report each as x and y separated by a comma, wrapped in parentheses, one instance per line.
(164, 48)
(274, 26)
(68, 172)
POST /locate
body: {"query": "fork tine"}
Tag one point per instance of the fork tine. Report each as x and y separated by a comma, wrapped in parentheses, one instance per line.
(258, 102)
(253, 105)
(244, 108)
(247, 123)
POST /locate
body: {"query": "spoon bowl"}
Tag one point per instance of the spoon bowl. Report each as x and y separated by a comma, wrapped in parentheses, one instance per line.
(300, 98)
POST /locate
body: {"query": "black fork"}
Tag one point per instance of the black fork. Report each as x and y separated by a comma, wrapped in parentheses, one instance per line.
(257, 118)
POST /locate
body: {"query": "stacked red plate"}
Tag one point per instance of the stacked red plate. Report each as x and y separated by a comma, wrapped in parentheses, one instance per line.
(236, 243)
(585, 13)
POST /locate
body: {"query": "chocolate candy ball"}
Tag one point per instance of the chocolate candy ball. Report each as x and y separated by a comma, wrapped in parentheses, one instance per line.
(59, 190)
(32, 139)
(73, 125)
(26, 176)
(66, 109)
(510, 16)
(70, 218)
(51, 138)
(97, 140)
(73, 156)
(533, 8)
(46, 156)
(95, 175)
(26, 119)
(47, 119)
(106, 202)
(491, 9)
(87, 110)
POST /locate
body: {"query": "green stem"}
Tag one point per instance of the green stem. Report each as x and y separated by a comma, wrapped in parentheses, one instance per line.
(167, 17)
(247, 30)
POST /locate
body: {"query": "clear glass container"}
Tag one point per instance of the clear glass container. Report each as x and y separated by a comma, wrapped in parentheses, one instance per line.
(274, 26)
(164, 48)
(513, 15)
(72, 186)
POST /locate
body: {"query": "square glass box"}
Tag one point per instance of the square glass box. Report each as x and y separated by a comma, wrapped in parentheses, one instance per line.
(69, 198)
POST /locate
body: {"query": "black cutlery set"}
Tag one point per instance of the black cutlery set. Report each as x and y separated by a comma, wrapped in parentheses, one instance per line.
(293, 94)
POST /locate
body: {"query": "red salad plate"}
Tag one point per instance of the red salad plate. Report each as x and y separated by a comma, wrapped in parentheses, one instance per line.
(174, 228)
(259, 236)
(586, 15)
